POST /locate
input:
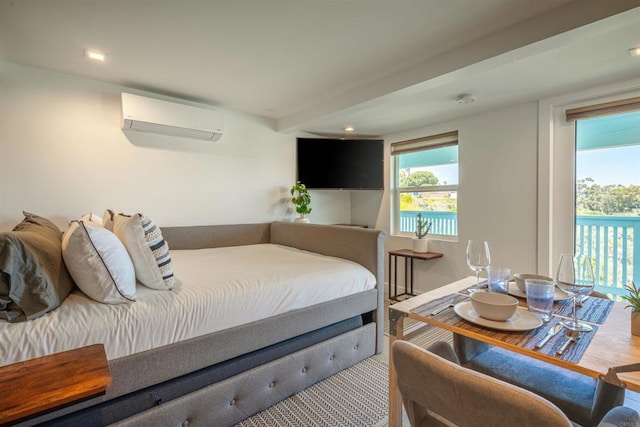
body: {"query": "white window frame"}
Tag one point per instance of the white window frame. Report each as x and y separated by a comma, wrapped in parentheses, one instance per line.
(556, 169)
(418, 144)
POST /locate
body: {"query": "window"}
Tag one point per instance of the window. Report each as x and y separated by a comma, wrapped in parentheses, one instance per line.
(426, 182)
(557, 160)
(607, 211)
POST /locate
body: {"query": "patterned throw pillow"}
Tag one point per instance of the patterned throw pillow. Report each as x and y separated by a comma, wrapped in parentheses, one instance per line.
(147, 249)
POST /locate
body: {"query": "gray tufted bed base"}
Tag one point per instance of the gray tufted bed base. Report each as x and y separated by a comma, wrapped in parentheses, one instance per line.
(222, 378)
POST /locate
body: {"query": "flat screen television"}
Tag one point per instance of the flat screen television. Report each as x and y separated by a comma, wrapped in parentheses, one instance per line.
(348, 164)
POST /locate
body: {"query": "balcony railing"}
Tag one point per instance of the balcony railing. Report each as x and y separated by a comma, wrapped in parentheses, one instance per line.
(444, 223)
(612, 242)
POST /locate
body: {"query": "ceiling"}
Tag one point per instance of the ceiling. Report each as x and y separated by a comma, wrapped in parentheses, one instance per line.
(383, 66)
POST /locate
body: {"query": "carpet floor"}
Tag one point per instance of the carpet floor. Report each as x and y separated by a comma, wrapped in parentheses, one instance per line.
(354, 397)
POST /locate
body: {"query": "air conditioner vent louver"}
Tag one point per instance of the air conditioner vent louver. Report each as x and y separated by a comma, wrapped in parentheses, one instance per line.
(157, 116)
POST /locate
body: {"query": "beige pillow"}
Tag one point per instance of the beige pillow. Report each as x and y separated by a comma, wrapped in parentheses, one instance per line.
(147, 249)
(99, 263)
(107, 219)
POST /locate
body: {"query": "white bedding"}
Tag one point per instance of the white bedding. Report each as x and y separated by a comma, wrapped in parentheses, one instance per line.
(216, 289)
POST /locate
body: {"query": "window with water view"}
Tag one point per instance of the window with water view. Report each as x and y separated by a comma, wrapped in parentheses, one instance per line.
(427, 183)
(608, 198)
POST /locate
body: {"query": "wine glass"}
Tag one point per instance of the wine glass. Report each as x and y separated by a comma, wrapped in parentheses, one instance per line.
(575, 277)
(478, 259)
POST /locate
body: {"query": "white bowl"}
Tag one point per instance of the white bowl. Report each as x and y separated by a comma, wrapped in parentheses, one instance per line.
(493, 305)
(521, 277)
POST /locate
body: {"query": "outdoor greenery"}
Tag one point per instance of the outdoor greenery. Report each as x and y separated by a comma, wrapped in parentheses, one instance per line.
(418, 179)
(433, 201)
(593, 199)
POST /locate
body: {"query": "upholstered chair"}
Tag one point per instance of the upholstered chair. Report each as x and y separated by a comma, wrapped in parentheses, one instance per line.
(437, 391)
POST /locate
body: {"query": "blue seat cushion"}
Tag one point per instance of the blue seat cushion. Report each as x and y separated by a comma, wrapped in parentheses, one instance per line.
(572, 392)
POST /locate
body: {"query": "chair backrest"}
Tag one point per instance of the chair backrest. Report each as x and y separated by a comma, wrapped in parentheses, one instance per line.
(437, 391)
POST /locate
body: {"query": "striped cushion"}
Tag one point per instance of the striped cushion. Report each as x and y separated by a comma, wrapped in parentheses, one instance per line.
(147, 249)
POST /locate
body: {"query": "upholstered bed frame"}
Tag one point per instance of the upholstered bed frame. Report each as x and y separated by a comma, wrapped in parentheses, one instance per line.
(222, 378)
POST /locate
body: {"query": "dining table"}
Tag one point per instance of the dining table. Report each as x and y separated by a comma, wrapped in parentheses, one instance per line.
(609, 353)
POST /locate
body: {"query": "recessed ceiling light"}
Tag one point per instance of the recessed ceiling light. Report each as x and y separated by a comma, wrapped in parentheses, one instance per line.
(634, 51)
(349, 129)
(465, 98)
(95, 55)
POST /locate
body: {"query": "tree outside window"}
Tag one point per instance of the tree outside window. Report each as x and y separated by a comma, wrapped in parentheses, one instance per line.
(426, 182)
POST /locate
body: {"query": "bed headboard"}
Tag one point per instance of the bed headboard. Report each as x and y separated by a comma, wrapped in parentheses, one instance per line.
(215, 236)
(362, 245)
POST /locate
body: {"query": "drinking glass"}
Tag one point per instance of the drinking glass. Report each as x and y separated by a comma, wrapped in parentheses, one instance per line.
(478, 259)
(575, 277)
(498, 278)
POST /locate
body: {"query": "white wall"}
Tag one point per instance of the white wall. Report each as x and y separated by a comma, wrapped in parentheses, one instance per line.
(497, 195)
(63, 154)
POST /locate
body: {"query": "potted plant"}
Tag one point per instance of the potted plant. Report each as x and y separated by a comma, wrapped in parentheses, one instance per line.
(420, 242)
(633, 298)
(301, 198)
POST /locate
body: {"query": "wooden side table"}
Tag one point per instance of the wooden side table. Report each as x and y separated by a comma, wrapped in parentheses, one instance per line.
(408, 256)
(38, 385)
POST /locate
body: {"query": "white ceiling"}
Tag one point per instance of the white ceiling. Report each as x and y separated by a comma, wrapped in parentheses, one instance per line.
(317, 65)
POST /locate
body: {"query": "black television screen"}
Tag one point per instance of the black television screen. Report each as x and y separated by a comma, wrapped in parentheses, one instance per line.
(350, 164)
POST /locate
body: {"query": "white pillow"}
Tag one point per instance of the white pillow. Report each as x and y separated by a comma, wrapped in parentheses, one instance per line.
(147, 249)
(99, 263)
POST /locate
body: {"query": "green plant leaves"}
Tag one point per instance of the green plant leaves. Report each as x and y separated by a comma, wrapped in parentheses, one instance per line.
(633, 298)
(301, 198)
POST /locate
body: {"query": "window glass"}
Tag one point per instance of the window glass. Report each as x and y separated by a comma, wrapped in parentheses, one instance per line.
(427, 183)
(607, 211)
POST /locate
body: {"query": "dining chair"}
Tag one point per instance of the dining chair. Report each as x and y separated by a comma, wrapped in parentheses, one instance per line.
(437, 391)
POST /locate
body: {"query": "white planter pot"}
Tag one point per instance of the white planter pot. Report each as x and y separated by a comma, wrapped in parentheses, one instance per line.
(302, 219)
(420, 245)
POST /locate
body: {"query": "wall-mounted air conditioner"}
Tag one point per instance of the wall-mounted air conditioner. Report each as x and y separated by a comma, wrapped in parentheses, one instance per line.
(144, 114)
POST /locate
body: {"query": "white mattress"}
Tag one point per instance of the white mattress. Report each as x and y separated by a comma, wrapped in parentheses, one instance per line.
(216, 289)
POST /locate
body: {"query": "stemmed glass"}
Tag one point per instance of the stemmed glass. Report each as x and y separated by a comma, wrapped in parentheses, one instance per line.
(478, 259)
(575, 277)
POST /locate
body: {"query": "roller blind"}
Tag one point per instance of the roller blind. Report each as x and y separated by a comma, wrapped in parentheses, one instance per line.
(604, 109)
(428, 142)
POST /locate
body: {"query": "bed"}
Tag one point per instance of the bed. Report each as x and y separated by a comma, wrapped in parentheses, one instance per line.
(258, 312)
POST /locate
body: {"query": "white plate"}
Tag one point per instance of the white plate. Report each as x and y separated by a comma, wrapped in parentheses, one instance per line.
(522, 320)
(558, 294)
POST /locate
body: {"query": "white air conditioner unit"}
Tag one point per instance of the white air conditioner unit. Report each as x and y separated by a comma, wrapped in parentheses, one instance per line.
(144, 114)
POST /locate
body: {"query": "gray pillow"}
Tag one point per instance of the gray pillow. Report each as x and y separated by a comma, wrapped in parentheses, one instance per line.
(33, 277)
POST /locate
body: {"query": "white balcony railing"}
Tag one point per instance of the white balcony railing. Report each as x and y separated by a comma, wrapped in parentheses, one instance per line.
(612, 242)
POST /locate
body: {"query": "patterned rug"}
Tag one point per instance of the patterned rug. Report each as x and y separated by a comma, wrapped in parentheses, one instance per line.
(356, 396)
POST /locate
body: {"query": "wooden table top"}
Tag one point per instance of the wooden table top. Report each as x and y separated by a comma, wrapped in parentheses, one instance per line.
(37, 385)
(611, 346)
(408, 253)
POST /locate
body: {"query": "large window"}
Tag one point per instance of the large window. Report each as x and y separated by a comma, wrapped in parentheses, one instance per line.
(426, 182)
(607, 211)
